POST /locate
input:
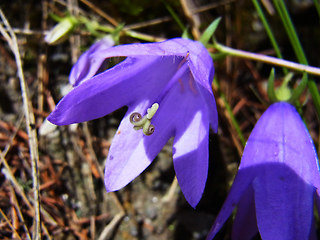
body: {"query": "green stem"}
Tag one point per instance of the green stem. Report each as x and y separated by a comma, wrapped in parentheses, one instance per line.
(143, 36)
(268, 59)
(234, 121)
(127, 32)
(232, 117)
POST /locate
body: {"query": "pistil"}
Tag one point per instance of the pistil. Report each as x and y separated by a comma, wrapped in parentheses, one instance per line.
(144, 122)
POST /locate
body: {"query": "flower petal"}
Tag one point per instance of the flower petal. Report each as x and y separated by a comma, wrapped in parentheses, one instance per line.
(89, 62)
(195, 54)
(317, 198)
(131, 151)
(313, 234)
(200, 62)
(240, 185)
(281, 136)
(201, 65)
(123, 166)
(181, 113)
(128, 82)
(189, 116)
(246, 213)
(211, 106)
(191, 155)
(172, 47)
(284, 203)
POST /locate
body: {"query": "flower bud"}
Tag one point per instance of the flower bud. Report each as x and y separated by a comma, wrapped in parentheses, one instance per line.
(61, 31)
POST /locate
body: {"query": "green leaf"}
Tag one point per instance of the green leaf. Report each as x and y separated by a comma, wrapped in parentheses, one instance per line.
(116, 33)
(283, 93)
(268, 30)
(313, 89)
(174, 16)
(317, 5)
(208, 33)
(298, 90)
(186, 34)
(271, 91)
(55, 17)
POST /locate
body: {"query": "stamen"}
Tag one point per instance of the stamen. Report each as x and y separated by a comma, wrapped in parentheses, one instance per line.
(184, 60)
(144, 122)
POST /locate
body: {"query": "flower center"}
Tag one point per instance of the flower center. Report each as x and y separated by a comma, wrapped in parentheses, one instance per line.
(144, 122)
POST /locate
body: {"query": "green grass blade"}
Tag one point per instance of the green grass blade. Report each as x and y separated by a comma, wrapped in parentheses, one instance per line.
(292, 34)
(175, 16)
(232, 117)
(208, 33)
(295, 42)
(299, 89)
(270, 90)
(317, 5)
(269, 32)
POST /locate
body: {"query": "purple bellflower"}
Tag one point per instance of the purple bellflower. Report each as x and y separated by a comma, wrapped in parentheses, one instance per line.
(277, 181)
(167, 88)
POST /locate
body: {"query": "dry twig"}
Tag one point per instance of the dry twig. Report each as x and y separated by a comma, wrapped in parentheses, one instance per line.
(10, 37)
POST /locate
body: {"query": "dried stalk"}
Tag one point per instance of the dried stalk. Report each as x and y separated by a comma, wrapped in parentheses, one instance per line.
(107, 231)
(18, 209)
(9, 223)
(186, 7)
(9, 175)
(30, 122)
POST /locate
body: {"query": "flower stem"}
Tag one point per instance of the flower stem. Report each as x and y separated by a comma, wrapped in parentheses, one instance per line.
(267, 59)
(228, 109)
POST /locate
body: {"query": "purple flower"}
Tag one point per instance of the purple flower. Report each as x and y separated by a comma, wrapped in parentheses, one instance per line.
(89, 62)
(276, 184)
(167, 88)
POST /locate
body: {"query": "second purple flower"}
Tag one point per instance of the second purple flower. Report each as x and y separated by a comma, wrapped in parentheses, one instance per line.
(277, 182)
